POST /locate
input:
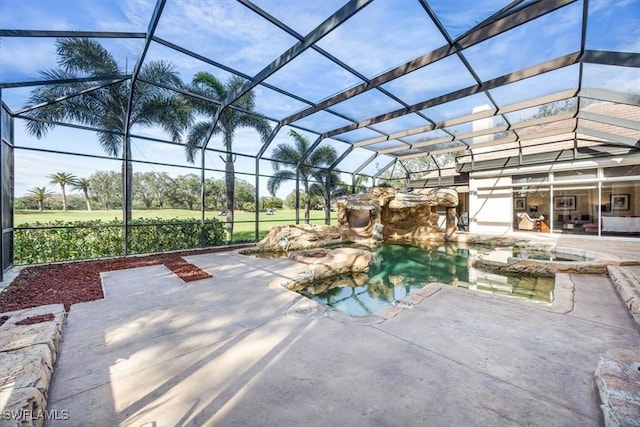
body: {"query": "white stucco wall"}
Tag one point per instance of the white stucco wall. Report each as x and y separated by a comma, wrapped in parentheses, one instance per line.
(490, 210)
(479, 125)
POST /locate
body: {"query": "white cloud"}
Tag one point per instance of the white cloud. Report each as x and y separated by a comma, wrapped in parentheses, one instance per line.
(460, 16)
(619, 79)
(328, 77)
(383, 35)
(226, 32)
(137, 12)
(22, 58)
(435, 79)
(548, 37)
(305, 16)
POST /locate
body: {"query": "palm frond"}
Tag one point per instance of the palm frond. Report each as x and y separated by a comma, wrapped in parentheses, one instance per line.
(110, 143)
(62, 178)
(233, 85)
(285, 156)
(85, 56)
(171, 112)
(324, 155)
(40, 192)
(82, 184)
(161, 71)
(274, 183)
(301, 142)
(88, 108)
(258, 123)
(208, 85)
(196, 138)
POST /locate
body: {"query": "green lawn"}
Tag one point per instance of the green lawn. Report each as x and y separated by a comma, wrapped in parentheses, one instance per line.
(244, 228)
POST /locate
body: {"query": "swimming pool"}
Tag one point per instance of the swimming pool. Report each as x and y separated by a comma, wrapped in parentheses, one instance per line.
(399, 270)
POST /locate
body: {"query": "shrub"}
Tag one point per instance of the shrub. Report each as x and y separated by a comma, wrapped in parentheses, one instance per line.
(62, 241)
(249, 206)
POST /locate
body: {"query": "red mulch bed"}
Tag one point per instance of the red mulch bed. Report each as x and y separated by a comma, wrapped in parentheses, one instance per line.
(36, 319)
(74, 282)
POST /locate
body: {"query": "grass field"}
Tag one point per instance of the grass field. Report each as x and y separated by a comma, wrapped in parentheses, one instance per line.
(244, 228)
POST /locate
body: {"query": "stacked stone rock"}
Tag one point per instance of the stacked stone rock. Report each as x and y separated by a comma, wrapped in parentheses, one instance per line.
(404, 216)
(28, 353)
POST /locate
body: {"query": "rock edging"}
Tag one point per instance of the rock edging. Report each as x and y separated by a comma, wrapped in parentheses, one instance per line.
(628, 286)
(28, 354)
(618, 382)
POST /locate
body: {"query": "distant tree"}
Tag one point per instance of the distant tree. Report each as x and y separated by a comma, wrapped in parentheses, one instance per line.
(106, 188)
(40, 194)
(215, 193)
(84, 185)
(245, 194)
(399, 175)
(163, 187)
(187, 191)
(142, 182)
(361, 184)
(24, 202)
(555, 108)
(249, 207)
(270, 203)
(63, 179)
(285, 156)
(290, 200)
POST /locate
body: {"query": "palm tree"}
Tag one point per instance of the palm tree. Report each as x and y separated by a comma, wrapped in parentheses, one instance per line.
(335, 185)
(84, 185)
(229, 121)
(360, 183)
(62, 179)
(40, 194)
(107, 108)
(285, 156)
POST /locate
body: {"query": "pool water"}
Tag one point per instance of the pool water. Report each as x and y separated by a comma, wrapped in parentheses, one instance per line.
(398, 270)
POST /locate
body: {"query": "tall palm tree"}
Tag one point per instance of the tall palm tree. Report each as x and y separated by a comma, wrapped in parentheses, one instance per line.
(84, 185)
(285, 156)
(40, 194)
(62, 179)
(229, 122)
(106, 109)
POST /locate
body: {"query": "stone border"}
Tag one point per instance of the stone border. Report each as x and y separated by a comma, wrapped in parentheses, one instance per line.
(27, 356)
(618, 374)
(628, 286)
(618, 382)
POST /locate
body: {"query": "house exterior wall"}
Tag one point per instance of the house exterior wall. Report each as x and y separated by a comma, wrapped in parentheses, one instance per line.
(491, 195)
(490, 207)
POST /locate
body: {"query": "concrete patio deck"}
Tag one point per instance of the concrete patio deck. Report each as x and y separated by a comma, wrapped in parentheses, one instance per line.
(231, 350)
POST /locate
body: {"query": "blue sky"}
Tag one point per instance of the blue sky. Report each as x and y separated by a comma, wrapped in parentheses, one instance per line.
(386, 33)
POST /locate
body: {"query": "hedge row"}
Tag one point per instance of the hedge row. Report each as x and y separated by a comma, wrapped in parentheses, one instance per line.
(62, 241)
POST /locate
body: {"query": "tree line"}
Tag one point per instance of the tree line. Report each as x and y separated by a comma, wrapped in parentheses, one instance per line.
(159, 190)
(151, 190)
